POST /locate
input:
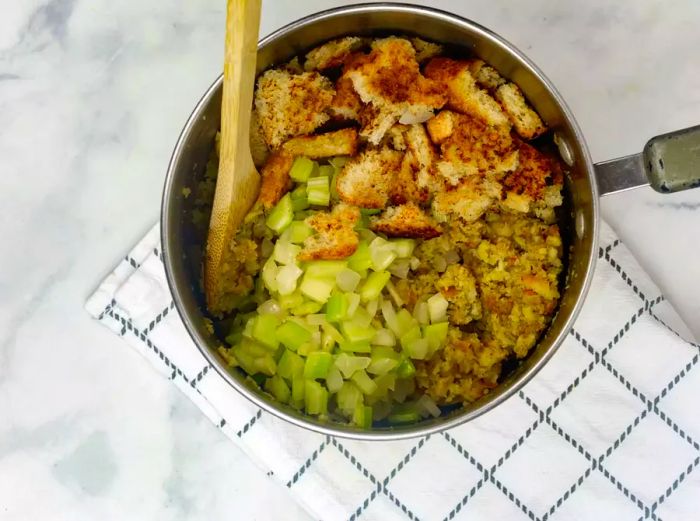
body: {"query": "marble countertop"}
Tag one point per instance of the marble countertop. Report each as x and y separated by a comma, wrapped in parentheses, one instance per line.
(92, 96)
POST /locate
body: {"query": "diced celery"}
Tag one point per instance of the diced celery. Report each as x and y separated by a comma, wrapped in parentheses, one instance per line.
(403, 247)
(316, 319)
(384, 337)
(361, 259)
(286, 279)
(353, 303)
(299, 200)
(364, 382)
(317, 365)
(338, 162)
(301, 169)
(385, 352)
(285, 252)
(380, 366)
(348, 397)
(281, 215)
(371, 308)
(404, 414)
(332, 332)
(385, 383)
(298, 388)
(306, 348)
(348, 279)
(348, 364)
(265, 330)
(315, 398)
(318, 289)
(409, 336)
(355, 332)
(248, 328)
(382, 254)
(370, 211)
(234, 337)
(318, 191)
(436, 335)
(265, 365)
(374, 285)
(325, 171)
(417, 349)
(355, 347)
(334, 186)
(292, 300)
(334, 380)
(406, 369)
(299, 231)
(292, 335)
(278, 388)
(437, 308)
(362, 417)
(306, 308)
(269, 275)
(290, 365)
(324, 268)
(336, 307)
(327, 341)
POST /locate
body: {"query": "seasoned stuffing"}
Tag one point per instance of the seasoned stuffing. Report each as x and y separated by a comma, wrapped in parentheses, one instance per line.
(444, 157)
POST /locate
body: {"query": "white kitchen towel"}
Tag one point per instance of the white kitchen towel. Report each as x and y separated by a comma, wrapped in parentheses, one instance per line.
(609, 429)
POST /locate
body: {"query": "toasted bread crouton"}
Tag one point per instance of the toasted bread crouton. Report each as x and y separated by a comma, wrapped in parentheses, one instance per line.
(407, 220)
(467, 202)
(389, 80)
(291, 105)
(404, 186)
(530, 178)
(332, 53)
(441, 126)
(335, 236)
(346, 104)
(473, 147)
(365, 180)
(485, 75)
(526, 121)
(535, 185)
(425, 50)
(464, 95)
(337, 143)
(422, 149)
(396, 137)
(258, 147)
(274, 178)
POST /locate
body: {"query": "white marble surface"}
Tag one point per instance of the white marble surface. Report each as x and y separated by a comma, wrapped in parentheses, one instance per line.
(92, 96)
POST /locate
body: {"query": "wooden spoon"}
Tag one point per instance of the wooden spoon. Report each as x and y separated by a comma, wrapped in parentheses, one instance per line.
(238, 181)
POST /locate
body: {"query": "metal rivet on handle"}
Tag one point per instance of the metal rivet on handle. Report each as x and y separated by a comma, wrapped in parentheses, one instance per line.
(564, 149)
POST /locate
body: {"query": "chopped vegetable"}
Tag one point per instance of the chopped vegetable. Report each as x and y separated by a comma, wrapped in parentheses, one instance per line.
(337, 307)
(317, 365)
(374, 285)
(290, 365)
(265, 330)
(437, 308)
(286, 279)
(364, 382)
(315, 398)
(299, 231)
(348, 364)
(318, 289)
(301, 169)
(292, 335)
(281, 215)
(318, 191)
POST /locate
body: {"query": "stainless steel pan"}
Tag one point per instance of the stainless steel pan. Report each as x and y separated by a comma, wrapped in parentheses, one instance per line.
(667, 164)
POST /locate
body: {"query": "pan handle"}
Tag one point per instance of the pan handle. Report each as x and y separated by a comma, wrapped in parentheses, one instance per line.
(669, 163)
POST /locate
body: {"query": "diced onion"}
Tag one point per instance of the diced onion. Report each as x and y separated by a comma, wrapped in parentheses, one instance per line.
(390, 316)
(439, 263)
(437, 308)
(394, 294)
(316, 319)
(384, 337)
(425, 403)
(348, 279)
(452, 257)
(270, 307)
(372, 307)
(414, 262)
(353, 303)
(400, 268)
(421, 314)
